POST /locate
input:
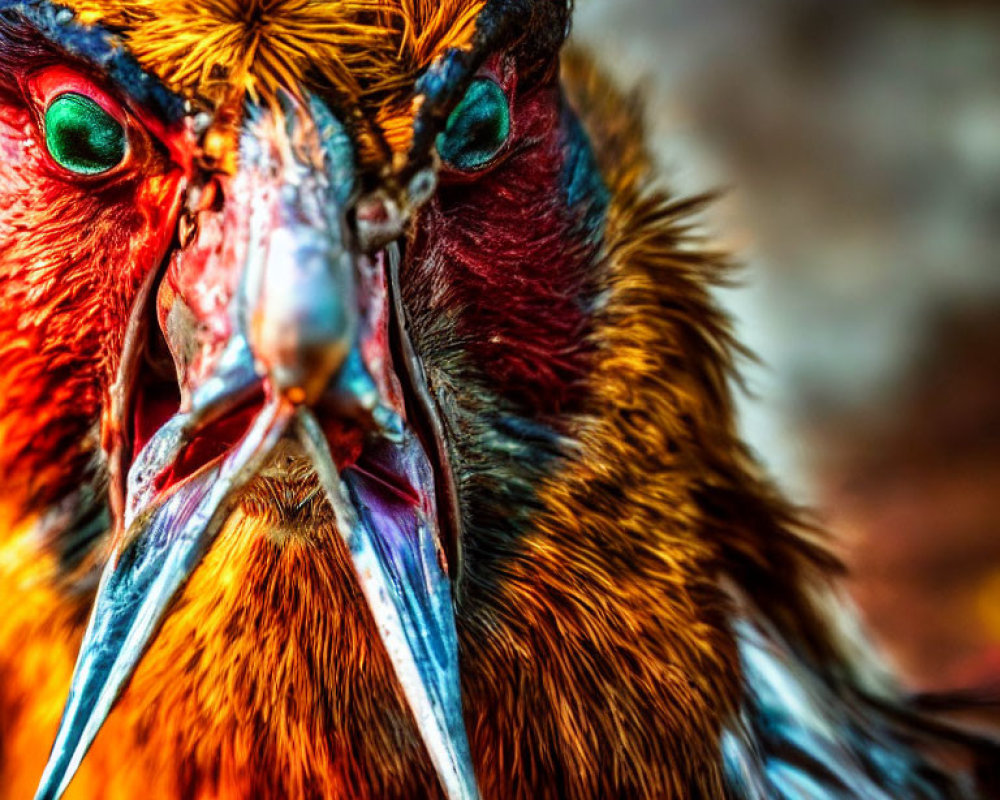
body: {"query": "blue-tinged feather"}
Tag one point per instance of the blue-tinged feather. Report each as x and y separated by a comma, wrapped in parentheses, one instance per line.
(99, 47)
(802, 736)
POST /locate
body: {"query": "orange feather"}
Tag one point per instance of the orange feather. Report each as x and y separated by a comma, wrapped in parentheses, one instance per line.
(367, 53)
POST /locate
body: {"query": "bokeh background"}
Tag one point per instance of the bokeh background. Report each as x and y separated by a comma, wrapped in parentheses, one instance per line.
(859, 143)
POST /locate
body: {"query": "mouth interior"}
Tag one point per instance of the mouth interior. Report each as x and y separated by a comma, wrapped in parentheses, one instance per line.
(156, 399)
(355, 444)
(380, 470)
(211, 443)
(156, 394)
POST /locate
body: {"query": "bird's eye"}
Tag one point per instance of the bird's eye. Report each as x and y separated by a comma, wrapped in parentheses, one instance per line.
(82, 137)
(477, 129)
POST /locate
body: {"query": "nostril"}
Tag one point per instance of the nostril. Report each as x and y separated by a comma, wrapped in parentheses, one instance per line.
(378, 220)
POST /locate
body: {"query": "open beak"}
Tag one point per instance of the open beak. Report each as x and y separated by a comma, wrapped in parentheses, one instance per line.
(270, 324)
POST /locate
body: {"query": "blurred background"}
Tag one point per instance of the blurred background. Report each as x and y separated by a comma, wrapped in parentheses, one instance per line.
(859, 142)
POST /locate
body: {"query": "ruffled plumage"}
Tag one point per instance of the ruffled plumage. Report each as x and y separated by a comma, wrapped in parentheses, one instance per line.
(367, 53)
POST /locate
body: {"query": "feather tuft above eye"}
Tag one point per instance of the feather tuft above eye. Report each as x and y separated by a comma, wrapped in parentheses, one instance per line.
(367, 52)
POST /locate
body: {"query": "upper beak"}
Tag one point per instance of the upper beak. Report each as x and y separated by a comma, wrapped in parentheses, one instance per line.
(271, 317)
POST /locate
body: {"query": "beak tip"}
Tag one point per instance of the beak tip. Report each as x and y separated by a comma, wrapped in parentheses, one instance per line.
(136, 591)
(86, 709)
(56, 777)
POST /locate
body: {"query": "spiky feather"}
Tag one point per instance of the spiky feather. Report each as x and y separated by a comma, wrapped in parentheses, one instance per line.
(367, 53)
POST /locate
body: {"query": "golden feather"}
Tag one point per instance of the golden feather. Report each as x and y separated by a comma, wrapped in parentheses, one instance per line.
(367, 53)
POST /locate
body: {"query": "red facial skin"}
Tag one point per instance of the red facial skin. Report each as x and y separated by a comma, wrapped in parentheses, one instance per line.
(73, 251)
(517, 302)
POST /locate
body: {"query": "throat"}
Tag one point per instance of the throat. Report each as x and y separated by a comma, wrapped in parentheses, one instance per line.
(269, 679)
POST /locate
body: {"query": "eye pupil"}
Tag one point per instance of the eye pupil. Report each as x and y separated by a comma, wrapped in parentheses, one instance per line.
(477, 129)
(81, 136)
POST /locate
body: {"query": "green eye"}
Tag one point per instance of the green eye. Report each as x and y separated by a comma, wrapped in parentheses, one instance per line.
(83, 137)
(478, 127)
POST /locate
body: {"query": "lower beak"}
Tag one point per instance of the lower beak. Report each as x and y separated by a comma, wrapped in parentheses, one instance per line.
(295, 329)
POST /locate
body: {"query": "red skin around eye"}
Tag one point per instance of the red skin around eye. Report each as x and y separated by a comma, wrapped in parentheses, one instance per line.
(45, 86)
(73, 252)
(500, 256)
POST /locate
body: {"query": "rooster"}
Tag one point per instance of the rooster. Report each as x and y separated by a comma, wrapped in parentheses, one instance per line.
(366, 432)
